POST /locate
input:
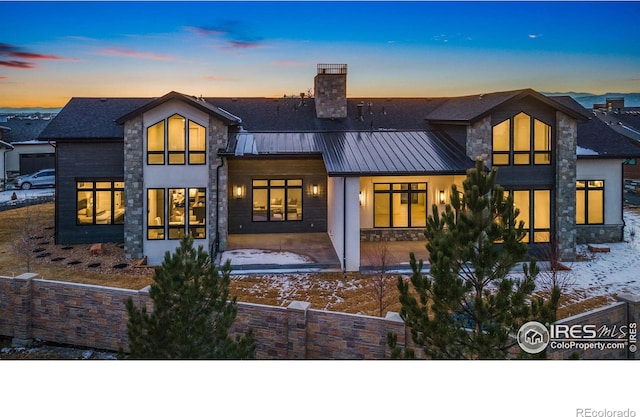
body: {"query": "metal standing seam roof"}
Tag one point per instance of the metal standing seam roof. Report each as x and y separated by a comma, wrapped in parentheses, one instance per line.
(363, 153)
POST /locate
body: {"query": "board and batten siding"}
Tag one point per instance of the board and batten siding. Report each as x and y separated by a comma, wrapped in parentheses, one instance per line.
(85, 160)
(311, 171)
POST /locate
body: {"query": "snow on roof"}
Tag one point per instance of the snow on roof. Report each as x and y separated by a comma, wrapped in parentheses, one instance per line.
(585, 151)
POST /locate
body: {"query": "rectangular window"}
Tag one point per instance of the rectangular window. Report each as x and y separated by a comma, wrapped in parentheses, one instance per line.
(176, 207)
(535, 211)
(542, 216)
(590, 202)
(197, 213)
(180, 217)
(197, 144)
(99, 202)
(400, 205)
(277, 200)
(155, 214)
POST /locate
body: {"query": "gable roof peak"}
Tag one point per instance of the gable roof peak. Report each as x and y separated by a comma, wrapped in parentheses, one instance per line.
(198, 102)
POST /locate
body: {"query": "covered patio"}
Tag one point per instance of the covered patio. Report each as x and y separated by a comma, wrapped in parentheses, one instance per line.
(316, 251)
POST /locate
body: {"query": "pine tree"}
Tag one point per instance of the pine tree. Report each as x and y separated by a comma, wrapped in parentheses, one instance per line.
(191, 313)
(469, 306)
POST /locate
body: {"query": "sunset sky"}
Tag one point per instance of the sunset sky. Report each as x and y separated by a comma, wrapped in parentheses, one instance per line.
(52, 51)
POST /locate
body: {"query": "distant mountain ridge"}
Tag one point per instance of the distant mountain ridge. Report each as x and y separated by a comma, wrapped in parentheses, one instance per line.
(15, 110)
(587, 100)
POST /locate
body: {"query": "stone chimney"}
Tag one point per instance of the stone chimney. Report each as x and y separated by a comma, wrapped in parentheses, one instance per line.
(330, 91)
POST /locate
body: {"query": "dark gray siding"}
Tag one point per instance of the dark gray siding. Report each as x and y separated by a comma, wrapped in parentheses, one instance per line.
(528, 175)
(84, 161)
(311, 171)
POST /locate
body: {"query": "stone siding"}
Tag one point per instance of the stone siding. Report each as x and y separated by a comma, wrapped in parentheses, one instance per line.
(598, 234)
(217, 140)
(391, 235)
(330, 92)
(566, 143)
(134, 192)
(479, 136)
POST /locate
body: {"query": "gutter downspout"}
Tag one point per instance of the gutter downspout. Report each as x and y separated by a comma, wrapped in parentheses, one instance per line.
(344, 224)
(215, 247)
(55, 221)
(4, 167)
(622, 202)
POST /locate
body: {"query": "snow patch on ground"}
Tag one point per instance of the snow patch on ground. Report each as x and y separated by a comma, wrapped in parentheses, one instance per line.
(263, 257)
(22, 195)
(608, 273)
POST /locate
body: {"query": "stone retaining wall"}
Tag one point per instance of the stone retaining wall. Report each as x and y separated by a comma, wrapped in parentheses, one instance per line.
(96, 317)
(391, 235)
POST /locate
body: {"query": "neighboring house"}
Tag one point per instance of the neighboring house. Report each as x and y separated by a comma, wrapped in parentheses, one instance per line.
(25, 154)
(148, 171)
(625, 121)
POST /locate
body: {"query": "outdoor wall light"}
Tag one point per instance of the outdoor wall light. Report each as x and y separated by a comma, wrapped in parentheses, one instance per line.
(238, 191)
(361, 198)
(441, 197)
(315, 190)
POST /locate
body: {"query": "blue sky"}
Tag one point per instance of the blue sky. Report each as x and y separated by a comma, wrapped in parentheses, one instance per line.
(51, 51)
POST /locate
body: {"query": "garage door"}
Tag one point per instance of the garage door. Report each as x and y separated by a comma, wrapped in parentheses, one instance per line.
(33, 162)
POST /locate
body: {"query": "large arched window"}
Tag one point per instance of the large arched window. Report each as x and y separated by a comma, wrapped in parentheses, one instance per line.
(172, 138)
(521, 140)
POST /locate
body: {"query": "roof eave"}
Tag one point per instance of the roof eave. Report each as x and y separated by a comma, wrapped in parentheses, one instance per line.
(173, 95)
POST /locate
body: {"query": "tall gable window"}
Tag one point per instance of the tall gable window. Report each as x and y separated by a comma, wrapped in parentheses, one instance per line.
(155, 144)
(169, 141)
(521, 140)
(197, 143)
(176, 139)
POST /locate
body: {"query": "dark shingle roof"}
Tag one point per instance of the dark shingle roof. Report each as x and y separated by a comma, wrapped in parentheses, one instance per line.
(363, 153)
(297, 115)
(469, 109)
(202, 104)
(597, 136)
(91, 118)
(23, 130)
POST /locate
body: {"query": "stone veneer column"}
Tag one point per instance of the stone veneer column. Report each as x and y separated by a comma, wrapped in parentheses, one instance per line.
(566, 142)
(297, 329)
(133, 188)
(479, 140)
(217, 140)
(21, 287)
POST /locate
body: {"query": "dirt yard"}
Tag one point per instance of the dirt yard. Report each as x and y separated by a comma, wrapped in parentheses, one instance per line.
(26, 244)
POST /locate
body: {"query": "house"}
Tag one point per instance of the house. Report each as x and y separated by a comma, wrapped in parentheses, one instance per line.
(625, 121)
(22, 152)
(148, 171)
